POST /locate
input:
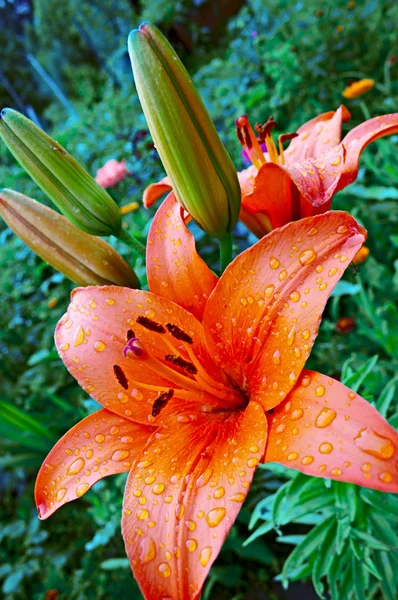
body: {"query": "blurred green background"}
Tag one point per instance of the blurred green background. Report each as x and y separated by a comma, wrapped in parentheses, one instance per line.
(65, 65)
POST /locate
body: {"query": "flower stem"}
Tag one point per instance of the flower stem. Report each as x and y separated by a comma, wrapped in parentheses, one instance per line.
(365, 110)
(131, 241)
(225, 252)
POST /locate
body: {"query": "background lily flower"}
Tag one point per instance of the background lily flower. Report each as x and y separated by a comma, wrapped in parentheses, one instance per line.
(188, 374)
(111, 173)
(358, 88)
(300, 181)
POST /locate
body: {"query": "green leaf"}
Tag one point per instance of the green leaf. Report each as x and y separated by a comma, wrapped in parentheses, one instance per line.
(358, 579)
(309, 545)
(356, 379)
(371, 541)
(384, 400)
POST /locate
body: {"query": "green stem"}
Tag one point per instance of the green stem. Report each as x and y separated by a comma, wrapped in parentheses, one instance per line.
(225, 252)
(365, 110)
(131, 241)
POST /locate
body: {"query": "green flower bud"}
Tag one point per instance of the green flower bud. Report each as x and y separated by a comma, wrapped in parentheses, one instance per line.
(83, 258)
(77, 195)
(202, 173)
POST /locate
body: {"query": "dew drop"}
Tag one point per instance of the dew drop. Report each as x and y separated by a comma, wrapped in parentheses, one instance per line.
(325, 417)
(269, 290)
(164, 570)
(81, 489)
(120, 455)
(149, 480)
(78, 336)
(239, 497)
(158, 489)
(274, 263)
(336, 472)
(219, 493)
(292, 456)
(205, 555)
(61, 494)
(76, 466)
(142, 514)
(180, 509)
(99, 346)
(148, 550)
(252, 462)
(204, 478)
(371, 442)
(307, 460)
(99, 438)
(297, 414)
(385, 476)
(295, 296)
(215, 516)
(282, 275)
(276, 357)
(319, 391)
(325, 448)
(306, 257)
(190, 525)
(191, 545)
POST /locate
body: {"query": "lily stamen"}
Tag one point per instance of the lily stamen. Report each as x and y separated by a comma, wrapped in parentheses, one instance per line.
(248, 140)
(284, 137)
(264, 132)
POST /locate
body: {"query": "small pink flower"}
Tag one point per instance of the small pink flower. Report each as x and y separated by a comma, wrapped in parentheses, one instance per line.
(111, 173)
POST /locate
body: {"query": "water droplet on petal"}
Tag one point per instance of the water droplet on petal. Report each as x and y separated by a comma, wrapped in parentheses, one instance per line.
(148, 550)
(205, 555)
(158, 489)
(120, 455)
(219, 493)
(215, 516)
(191, 545)
(164, 570)
(99, 346)
(325, 417)
(297, 414)
(319, 391)
(76, 466)
(307, 256)
(371, 442)
(239, 497)
(99, 438)
(292, 456)
(274, 263)
(325, 448)
(142, 514)
(386, 477)
(204, 478)
(307, 460)
(81, 489)
(61, 494)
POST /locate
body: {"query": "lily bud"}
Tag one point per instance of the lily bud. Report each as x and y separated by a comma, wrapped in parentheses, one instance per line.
(83, 258)
(78, 196)
(202, 173)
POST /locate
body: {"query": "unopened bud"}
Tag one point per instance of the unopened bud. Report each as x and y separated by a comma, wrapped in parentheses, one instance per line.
(78, 196)
(202, 174)
(83, 258)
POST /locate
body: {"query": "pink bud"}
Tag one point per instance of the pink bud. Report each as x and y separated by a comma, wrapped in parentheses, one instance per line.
(111, 173)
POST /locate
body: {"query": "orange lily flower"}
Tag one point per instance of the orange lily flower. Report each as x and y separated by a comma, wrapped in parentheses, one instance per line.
(201, 379)
(298, 182)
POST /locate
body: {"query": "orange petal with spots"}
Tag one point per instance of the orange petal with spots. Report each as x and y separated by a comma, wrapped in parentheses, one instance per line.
(183, 495)
(102, 444)
(91, 337)
(155, 190)
(263, 316)
(317, 178)
(325, 429)
(360, 137)
(317, 136)
(174, 268)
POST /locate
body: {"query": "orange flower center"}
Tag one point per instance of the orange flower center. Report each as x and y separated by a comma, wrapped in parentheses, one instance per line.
(181, 368)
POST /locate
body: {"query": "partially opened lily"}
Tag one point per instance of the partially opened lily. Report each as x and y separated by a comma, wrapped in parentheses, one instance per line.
(200, 380)
(286, 185)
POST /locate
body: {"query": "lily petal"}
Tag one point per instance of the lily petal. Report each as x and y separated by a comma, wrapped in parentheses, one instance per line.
(263, 316)
(317, 178)
(183, 495)
(155, 190)
(91, 338)
(360, 137)
(317, 136)
(102, 444)
(325, 429)
(174, 268)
